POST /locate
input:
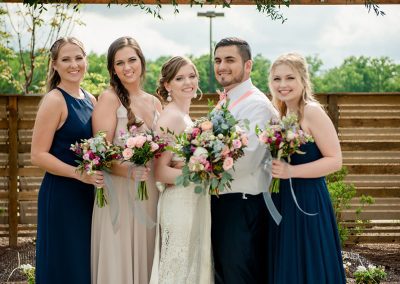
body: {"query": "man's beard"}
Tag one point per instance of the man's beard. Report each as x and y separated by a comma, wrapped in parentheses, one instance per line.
(235, 80)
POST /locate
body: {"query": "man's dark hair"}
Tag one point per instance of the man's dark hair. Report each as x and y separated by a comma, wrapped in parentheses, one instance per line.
(242, 45)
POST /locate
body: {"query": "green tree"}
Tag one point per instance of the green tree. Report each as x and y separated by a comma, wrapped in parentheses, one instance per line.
(97, 78)
(314, 68)
(153, 71)
(29, 24)
(259, 74)
(362, 74)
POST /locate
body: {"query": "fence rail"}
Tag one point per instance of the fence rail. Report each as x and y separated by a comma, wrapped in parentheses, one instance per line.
(368, 125)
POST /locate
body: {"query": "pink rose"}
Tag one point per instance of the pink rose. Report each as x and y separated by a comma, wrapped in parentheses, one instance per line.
(154, 146)
(236, 144)
(127, 153)
(131, 142)
(86, 157)
(225, 151)
(263, 138)
(206, 125)
(245, 140)
(140, 140)
(228, 163)
(196, 131)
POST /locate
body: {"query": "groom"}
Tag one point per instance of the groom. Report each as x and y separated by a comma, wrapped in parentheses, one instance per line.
(240, 216)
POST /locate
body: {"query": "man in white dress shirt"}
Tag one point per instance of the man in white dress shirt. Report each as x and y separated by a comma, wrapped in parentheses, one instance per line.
(240, 216)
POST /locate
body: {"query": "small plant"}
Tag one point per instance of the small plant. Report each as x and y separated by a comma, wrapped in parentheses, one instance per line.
(369, 275)
(27, 269)
(29, 272)
(341, 194)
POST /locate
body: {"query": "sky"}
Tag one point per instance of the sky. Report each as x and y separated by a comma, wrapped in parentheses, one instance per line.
(333, 32)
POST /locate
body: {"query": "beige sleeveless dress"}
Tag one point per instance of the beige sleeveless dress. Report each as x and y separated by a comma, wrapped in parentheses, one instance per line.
(122, 248)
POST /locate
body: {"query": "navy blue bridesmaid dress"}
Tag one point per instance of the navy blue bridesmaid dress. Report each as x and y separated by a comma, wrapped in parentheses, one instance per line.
(305, 249)
(65, 207)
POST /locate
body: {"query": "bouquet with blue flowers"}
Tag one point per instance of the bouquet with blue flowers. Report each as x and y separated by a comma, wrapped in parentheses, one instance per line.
(210, 147)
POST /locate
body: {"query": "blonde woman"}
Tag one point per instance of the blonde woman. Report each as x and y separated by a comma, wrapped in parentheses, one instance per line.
(305, 247)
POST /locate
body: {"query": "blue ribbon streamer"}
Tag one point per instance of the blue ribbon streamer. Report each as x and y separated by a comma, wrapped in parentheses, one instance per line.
(295, 200)
(268, 200)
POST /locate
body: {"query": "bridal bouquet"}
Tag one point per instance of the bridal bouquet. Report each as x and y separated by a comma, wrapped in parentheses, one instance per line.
(210, 147)
(96, 154)
(139, 149)
(283, 138)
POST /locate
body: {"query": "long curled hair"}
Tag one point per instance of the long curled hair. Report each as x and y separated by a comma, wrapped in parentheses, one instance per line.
(53, 78)
(169, 71)
(299, 65)
(116, 83)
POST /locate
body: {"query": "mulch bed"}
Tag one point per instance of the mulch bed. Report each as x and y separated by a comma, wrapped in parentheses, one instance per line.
(387, 255)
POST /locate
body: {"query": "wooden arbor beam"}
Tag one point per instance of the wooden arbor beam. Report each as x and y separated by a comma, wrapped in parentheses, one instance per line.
(233, 2)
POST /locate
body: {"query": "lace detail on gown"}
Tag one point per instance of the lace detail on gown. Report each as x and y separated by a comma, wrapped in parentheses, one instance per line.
(183, 241)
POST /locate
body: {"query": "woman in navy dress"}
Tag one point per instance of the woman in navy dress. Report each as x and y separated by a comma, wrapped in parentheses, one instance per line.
(66, 197)
(305, 247)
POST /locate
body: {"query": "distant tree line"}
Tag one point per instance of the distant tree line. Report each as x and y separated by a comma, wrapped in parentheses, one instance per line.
(23, 68)
(355, 74)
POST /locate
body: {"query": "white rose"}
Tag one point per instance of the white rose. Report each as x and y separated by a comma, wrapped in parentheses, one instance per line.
(289, 136)
(200, 152)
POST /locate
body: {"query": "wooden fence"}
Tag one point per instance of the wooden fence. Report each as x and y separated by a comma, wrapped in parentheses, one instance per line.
(369, 131)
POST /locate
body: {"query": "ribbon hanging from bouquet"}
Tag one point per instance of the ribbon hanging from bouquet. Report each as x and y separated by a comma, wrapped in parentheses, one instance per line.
(137, 206)
(112, 201)
(267, 196)
(295, 201)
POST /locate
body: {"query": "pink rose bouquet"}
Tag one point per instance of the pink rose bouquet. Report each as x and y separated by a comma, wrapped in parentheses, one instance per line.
(283, 138)
(139, 149)
(96, 154)
(210, 147)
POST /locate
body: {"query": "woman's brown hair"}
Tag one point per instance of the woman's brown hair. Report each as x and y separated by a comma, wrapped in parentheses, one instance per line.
(169, 71)
(116, 83)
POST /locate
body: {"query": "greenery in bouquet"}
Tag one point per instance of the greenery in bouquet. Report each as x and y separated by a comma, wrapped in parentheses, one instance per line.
(283, 137)
(139, 149)
(210, 147)
(96, 154)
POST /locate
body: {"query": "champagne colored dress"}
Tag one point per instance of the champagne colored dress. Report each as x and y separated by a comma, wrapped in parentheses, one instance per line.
(123, 247)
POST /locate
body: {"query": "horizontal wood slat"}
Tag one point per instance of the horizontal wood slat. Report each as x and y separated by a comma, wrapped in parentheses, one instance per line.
(368, 127)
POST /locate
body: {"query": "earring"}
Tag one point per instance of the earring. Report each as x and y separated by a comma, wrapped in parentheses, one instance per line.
(169, 98)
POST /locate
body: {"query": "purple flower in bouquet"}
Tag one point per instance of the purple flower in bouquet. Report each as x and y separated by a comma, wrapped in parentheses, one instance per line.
(283, 138)
(139, 149)
(96, 154)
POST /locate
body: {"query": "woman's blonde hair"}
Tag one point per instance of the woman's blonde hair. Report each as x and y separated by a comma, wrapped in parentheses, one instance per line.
(299, 65)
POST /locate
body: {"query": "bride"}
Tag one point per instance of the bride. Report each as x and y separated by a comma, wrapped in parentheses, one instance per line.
(183, 240)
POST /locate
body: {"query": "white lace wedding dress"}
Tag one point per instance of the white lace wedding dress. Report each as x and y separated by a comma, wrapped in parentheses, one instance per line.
(183, 240)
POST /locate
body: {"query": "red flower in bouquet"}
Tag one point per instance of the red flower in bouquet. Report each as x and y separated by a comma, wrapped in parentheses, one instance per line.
(283, 138)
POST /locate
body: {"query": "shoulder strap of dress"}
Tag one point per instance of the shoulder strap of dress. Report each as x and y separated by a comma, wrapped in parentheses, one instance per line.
(155, 114)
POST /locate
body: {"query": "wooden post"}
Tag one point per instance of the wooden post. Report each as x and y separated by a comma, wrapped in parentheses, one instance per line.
(13, 170)
(333, 110)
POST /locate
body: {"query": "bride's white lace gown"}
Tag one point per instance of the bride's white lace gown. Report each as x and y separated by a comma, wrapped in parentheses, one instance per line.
(183, 240)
